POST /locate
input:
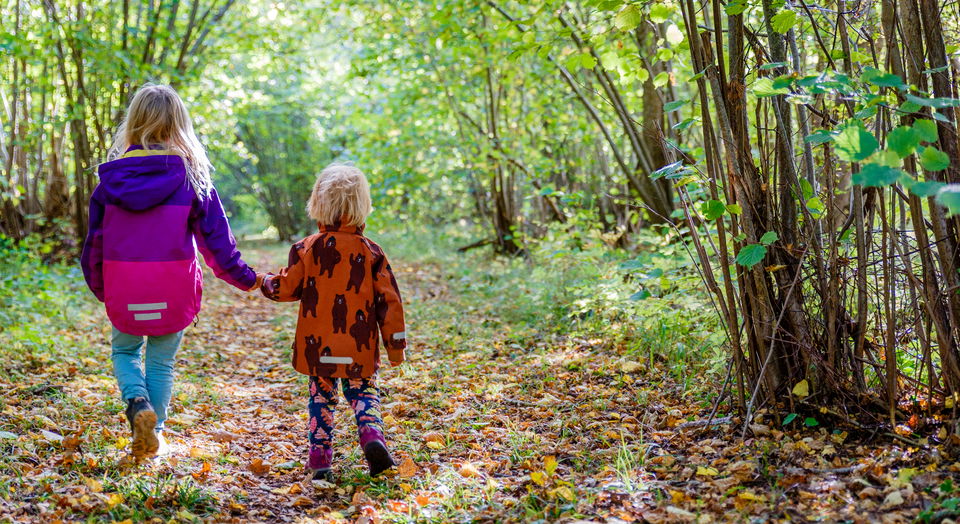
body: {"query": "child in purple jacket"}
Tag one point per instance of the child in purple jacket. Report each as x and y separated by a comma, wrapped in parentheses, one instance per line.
(154, 206)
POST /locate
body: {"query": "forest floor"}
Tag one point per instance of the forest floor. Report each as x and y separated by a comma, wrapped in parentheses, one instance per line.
(488, 422)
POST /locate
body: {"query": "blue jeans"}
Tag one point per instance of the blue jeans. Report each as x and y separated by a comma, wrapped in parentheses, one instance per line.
(153, 379)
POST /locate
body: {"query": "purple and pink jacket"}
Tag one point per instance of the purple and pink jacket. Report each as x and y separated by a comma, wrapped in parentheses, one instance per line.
(139, 257)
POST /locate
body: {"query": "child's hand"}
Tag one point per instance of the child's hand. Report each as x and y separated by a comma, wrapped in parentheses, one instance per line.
(259, 282)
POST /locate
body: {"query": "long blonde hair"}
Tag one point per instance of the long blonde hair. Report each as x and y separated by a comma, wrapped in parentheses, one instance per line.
(158, 117)
(341, 193)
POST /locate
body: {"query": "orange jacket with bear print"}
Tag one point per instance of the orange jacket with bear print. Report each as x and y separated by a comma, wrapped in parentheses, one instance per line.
(347, 294)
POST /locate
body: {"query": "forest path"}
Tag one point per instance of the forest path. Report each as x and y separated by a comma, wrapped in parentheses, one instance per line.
(482, 429)
(490, 421)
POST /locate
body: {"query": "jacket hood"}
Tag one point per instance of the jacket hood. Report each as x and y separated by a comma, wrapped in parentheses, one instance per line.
(142, 179)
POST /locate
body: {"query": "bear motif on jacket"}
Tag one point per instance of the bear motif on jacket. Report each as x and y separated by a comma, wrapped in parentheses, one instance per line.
(309, 297)
(360, 330)
(339, 314)
(325, 254)
(357, 271)
(311, 351)
(355, 370)
(325, 369)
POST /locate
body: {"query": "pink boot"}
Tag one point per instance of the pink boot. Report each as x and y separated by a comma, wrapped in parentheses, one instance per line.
(375, 450)
(319, 463)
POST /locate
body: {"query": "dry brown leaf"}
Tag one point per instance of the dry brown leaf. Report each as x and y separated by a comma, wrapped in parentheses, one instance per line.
(259, 467)
(407, 468)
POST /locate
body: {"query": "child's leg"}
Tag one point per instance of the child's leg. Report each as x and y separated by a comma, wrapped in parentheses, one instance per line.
(364, 398)
(323, 398)
(126, 365)
(160, 358)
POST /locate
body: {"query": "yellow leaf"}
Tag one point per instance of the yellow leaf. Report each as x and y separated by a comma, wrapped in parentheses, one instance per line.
(407, 488)
(389, 420)
(707, 472)
(114, 499)
(564, 492)
(538, 477)
(550, 464)
(122, 443)
(676, 496)
(942, 434)
(802, 389)
(469, 470)
(433, 444)
(749, 496)
(950, 401)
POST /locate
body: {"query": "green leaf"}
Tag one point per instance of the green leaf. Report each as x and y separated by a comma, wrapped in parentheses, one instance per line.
(932, 159)
(903, 140)
(810, 422)
(673, 106)
(949, 197)
(938, 103)
(674, 35)
(773, 65)
(587, 61)
(926, 189)
(628, 18)
(820, 136)
(926, 130)
(816, 207)
(667, 170)
(736, 7)
(764, 87)
(734, 209)
(788, 419)
(783, 21)
(854, 143)
(660, 13)
(713, 209)
(876, 175)
(769, 238)
(879, 78)
(643, 294)
(661, 79)
(751, 255)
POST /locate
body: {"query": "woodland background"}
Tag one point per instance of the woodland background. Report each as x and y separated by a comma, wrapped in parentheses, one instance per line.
(756, 197)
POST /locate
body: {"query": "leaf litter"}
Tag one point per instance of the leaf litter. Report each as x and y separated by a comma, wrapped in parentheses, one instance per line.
(518, 426)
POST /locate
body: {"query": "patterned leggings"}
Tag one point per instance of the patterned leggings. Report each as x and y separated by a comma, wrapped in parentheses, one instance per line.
(363, 396)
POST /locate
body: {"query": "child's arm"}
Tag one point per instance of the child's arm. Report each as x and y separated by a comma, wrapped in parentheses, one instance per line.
(288, 285)
(215, 241)
(389, 309)
(92, 258)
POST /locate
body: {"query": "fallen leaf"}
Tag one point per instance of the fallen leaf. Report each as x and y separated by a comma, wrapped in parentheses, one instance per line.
(468, 470)
(407, 468)
(802, 389)
(707, 472)
(259, 467)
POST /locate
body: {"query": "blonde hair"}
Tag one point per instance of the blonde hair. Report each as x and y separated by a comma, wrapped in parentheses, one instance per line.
(158, 117)
(342, 194)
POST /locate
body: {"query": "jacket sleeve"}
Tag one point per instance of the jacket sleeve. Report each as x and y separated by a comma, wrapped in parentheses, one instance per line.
(215, 241)
(288, 284)
(389, 309)
(91, 260)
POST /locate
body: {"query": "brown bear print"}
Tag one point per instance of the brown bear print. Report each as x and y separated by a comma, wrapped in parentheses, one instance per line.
(380, 303)
(294, 257)
(360, 330)
(355, 371)
(309, 297)
(325, 369)
(311, 350)
(325, 254)
(340, 314)
(357, 271)
(371, 308)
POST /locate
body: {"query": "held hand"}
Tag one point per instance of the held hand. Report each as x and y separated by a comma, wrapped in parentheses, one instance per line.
(256, 286)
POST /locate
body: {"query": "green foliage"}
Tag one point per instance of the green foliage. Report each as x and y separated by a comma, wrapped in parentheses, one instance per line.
(751, 255)
(854, 143)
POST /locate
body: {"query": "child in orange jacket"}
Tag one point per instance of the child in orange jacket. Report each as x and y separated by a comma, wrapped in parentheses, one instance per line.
(347, 294)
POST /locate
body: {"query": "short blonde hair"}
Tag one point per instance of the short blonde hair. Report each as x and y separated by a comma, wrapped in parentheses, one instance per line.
(158, 117)
(341, 194)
